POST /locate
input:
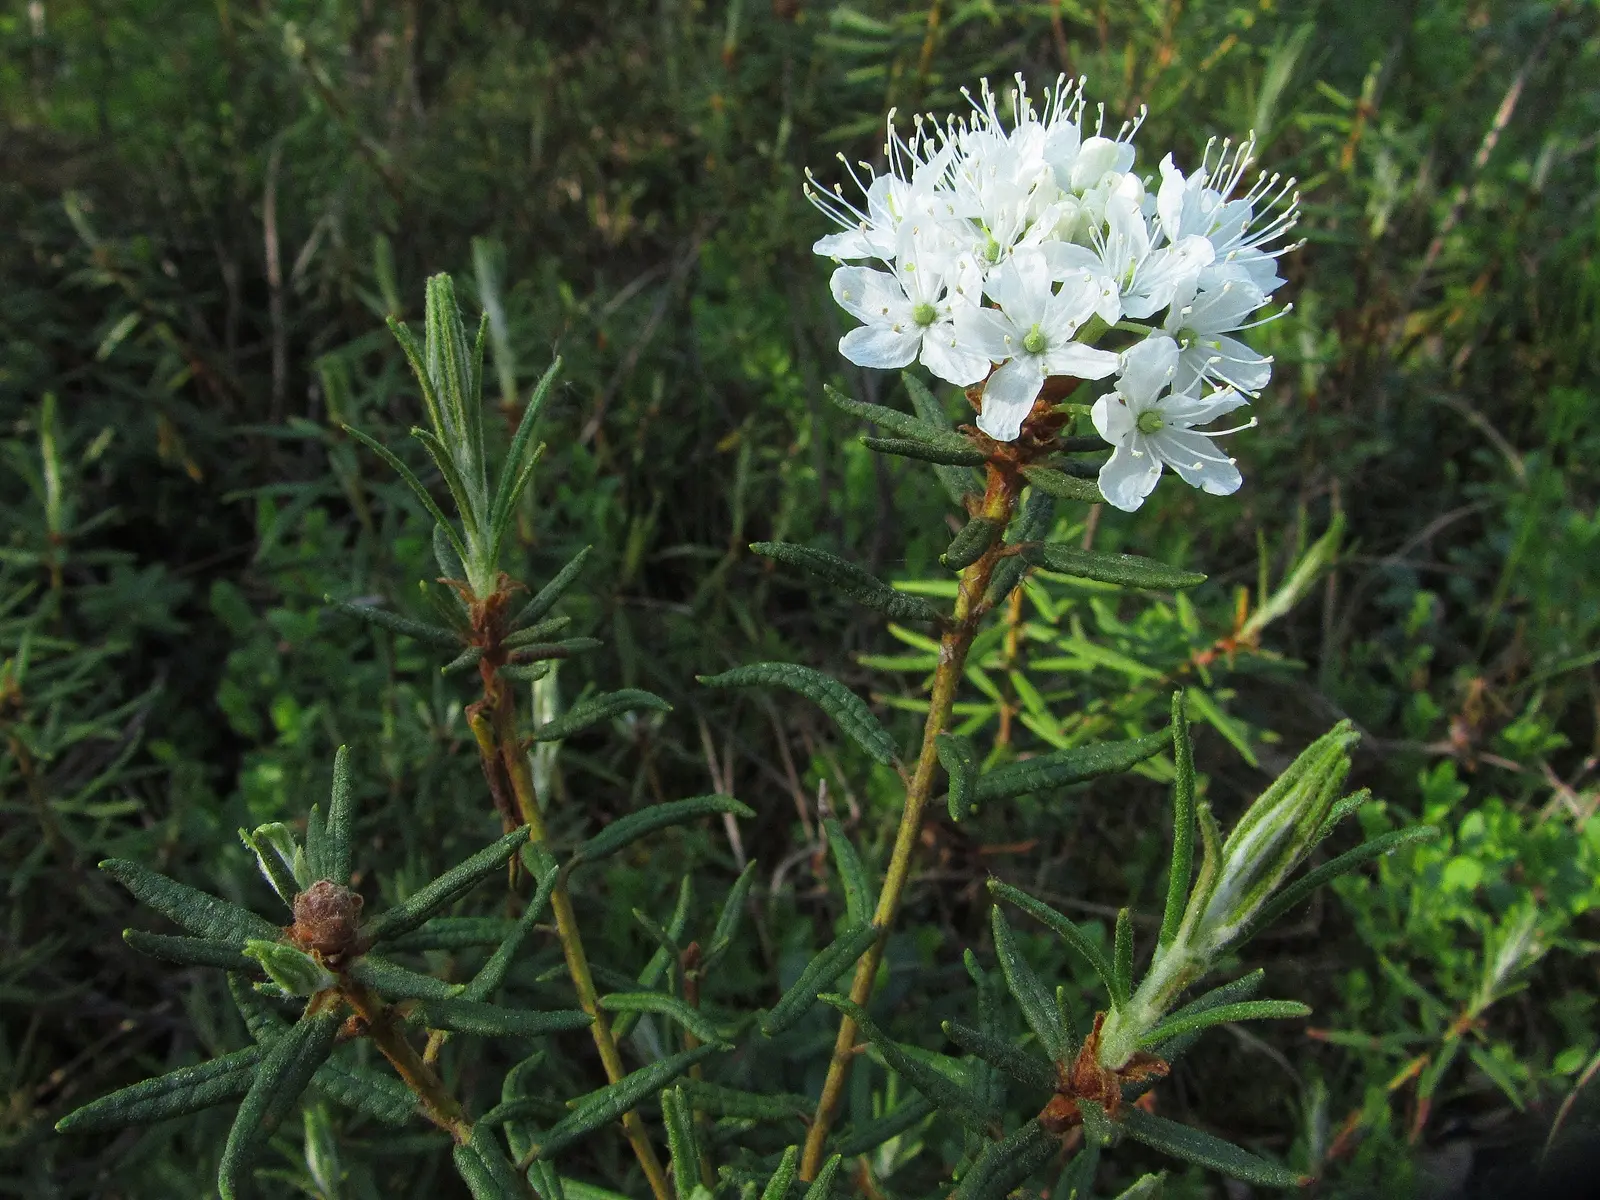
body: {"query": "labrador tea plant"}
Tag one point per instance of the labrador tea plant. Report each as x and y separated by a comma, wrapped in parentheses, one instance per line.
(1026, 261)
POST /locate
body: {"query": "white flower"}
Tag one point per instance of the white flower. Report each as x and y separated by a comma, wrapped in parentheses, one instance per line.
(907, 315)
(1150, 429)
(1200, 323)
(1134, 278)
(1202, 204)
(1033, 329)
(913, 187)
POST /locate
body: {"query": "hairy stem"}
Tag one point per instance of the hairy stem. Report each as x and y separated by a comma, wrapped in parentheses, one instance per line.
(438, 1104)
(502, 714)
(999, 502)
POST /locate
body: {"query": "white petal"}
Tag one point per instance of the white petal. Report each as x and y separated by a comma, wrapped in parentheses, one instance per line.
(1224, 359)
(1146, 368)
(1197, 460)
(1008, 397)
(1080, 361)
(987, 331)
(1223, 309)
(1128, 477)
(852, 243)
(871, 296)
(1112, 420)
(881, 346)
(1185, 410)
(949, 358)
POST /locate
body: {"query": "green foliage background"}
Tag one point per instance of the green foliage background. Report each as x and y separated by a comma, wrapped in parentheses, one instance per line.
(209, 210)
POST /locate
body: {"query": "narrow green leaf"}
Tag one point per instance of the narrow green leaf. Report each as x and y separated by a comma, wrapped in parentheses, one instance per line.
(1037, 1005)
(1239, 990)
(788, 1167)
(1077, 1177)
(1146, 1187)
(453, 933)
(847, 709)
(1249, 1010)
(1027, 1069)
(1062, 486)
(942, 454)
(506, 1180)
(960, 762)
(433, 635)
(1127, 570)
(493, 972)
(682, 1151)
(860, 585)
(514, 475)
(1066, 767)
(1302, 888)
(395, 982)
(860, 898)
(194, 910)
(972, 542)
(853, 1140)
(190, 951)
(1178, 877)
(900, 424)
(278, 873)
(547, 596)
(629, 829)
(475, 1173)
(1191, 1145)
(382, 1097)
(175, 1094)
(417, 356)
(947, 1095)
(1038, 515)
(609, 1103)
(537, 632)
(1098, 1128)
(282, 1075)
(490, 1020)
(833, 961)
(661, 1004)
(1069, 931)
(470, 657)
(524, 672)
(955, 481)
(415, 484)
(409, 914)
(316, 842)
(444, 554)
(1122, 960)
(534, 652)
(597, 709)
(822, 1186)
(1341, 809)
(341, 821)
(756, 1106)
(732, 910)
(463, 490)
(1004, 1165)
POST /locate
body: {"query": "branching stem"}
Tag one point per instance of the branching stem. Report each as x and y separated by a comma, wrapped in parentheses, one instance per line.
(999, 502)
(438, 1104)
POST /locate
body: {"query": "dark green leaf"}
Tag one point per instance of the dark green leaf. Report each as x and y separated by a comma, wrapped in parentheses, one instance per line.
(1098, 1129)
(1038, 514)
(1179, 875)
(847, 709)
(728, 918)
(514, 476)
(595, 709)
(1073, 936)
(661, 1004)
(470, 657)
(282, 1075)
(1077, 1177)
(432, 635)
(341, 821)
(853, 1141)
(1027, 1069)
(901, 424)
(955, 481)
(1191, 1145)
(822, 1186)
(1061, 485)
(1241, 989)
(490, 1020)
(1122, 960)
(316, 842)
(1063, 768)
(629, 829)
(859, 897)
(382, 1097)
(547, 596)
(493, 972)
(194, 910)
(190, 951)
(972, 542)
(943, 454)
(1128, 570)
(1004, 1165)
(960, 762)
(788, 1167)
(409, 914)
(1037, 1005)
(684, 1154)
(537, 632)
(475, 1174)
(820, 972)
(175, 1094)
(757, 1106)
(609, 1103)
(860, 585)
(398, 983)
(1248, 1010)
(951, 1097)
(454, 933)
(537, 652)
(415, 484)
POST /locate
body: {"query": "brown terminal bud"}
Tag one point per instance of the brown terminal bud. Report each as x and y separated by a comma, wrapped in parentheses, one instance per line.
(326, 919)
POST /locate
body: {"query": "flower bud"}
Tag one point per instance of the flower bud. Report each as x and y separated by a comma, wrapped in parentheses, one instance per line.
(281, 860)
(327, 920)
(292, 969)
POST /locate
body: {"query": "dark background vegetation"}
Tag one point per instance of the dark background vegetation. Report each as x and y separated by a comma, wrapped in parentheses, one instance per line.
(209, 209)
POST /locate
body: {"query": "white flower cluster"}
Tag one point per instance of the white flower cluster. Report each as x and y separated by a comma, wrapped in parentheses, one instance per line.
(1010, 252)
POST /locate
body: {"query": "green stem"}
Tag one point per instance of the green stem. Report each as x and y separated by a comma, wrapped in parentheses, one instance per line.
(999, 502)
(502, 713)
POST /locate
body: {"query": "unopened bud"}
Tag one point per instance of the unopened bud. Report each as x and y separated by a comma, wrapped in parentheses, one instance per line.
(327, 919)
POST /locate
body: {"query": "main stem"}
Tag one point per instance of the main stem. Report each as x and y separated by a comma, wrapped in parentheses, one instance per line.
(503, 715)
(999, 501)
